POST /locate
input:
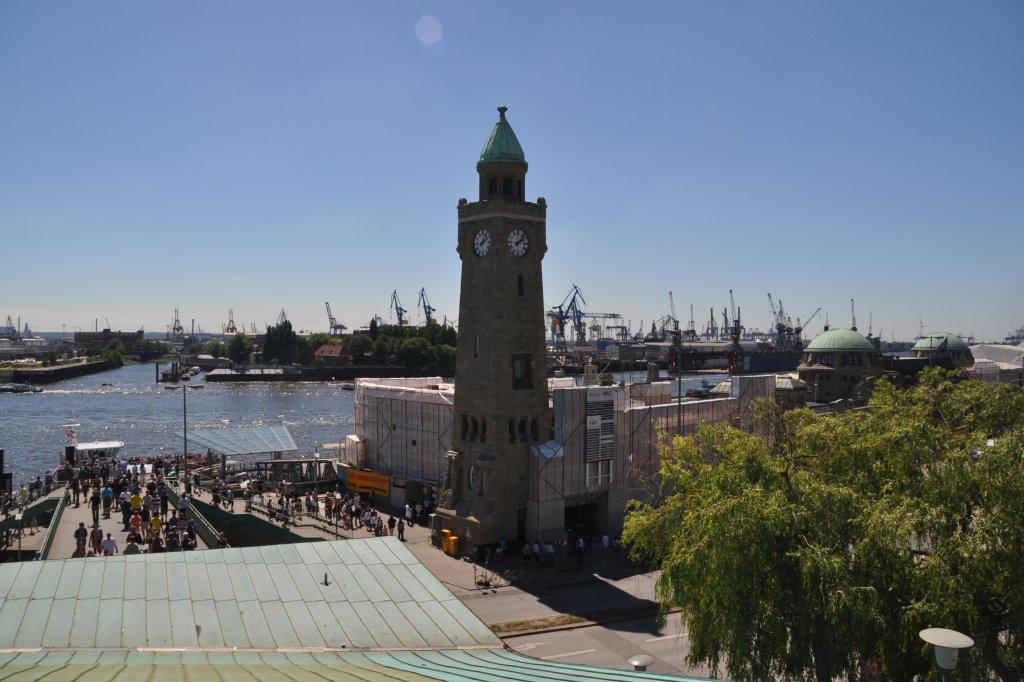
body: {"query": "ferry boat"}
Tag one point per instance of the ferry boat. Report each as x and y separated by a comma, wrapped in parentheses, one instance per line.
(75, 452)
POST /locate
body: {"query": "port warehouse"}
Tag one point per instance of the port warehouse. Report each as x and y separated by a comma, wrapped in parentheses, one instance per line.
(604, 450)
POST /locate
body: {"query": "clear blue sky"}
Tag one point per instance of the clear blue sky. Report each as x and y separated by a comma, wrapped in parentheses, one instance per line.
(266, 155)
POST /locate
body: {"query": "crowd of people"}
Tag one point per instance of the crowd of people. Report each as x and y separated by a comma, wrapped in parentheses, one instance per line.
(137, 490)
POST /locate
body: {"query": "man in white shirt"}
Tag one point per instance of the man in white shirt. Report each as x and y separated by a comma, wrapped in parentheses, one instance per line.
(109, 545)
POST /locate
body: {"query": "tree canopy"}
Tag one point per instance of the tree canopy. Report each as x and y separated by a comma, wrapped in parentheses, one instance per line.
(803, 552)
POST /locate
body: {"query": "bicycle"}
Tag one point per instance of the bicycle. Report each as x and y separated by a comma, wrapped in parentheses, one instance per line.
(518, 575)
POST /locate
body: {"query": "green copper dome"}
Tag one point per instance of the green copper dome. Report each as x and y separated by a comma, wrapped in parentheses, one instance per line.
(935, 340)
(840, 340)
(502, 145)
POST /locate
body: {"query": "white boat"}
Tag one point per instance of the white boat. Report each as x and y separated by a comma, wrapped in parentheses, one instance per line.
(87, 452)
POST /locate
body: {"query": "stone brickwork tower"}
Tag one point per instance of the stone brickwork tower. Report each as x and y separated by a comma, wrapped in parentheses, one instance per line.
(501, 400)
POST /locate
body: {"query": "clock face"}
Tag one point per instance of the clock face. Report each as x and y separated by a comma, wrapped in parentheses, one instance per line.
(518, 242)
(482, 242)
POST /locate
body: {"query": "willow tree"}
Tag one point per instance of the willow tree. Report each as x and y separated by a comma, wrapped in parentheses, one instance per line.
(830, 541)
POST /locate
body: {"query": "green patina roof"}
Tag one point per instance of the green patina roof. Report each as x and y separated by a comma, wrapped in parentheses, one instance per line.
(840, 339)
(502, 145)
(936, 339)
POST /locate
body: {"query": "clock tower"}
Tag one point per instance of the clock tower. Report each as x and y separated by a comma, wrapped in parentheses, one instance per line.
(501, 399)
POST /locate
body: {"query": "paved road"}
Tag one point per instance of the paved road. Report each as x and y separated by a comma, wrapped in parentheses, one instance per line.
(613, 644)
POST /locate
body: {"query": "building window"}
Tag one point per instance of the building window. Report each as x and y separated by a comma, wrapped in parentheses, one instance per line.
(492, 185)
(522, 373)
(476, 346)
(534, 434)
(483, 430)
(520, 283)
(476, 429)
(599, 473)
(522, 430)
(465, 427)
(511, 430)
(506, 187)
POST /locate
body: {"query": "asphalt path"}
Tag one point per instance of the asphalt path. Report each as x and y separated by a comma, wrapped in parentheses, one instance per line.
(611, 645)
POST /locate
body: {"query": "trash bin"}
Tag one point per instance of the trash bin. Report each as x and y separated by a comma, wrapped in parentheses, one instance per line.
(443, 536)
(453, 545)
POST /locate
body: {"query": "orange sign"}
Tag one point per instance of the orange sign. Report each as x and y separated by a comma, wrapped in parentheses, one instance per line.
(368, 482)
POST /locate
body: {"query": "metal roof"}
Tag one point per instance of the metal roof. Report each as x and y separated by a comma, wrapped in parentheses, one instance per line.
(940, 341)
(256, 614)
(480, 665)
(249, 440)
(502, 144)
(377, 596)
(840, 340)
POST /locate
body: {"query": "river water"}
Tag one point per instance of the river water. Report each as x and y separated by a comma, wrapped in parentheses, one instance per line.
(127, 404)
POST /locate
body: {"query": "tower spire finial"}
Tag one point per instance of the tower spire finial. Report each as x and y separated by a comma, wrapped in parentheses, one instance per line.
(501, 110)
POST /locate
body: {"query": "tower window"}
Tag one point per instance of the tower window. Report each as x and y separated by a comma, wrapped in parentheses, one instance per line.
(511, 430)
(506, 186)
(522, 374)
(483, 430)
(534, 434)
(520, 283)
(492, 185)
(476, 346)
(522, 430)
(521, 192)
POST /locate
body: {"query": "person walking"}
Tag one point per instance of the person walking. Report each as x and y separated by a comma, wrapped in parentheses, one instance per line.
(109, 546)
(94, 505)
(401, 529)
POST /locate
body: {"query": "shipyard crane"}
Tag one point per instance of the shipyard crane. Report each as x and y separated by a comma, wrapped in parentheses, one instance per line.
(853, 317)
(428, 310)
(672, 310)
(231, 327)
(691, 329)
(12, 330)
(800, 327)
(400, 312)
(568, 311)
(282, 318)
(177, 330)
(335, 326)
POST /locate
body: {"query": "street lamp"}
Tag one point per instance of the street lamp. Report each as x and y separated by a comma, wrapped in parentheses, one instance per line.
(947, 645)
(184, 431)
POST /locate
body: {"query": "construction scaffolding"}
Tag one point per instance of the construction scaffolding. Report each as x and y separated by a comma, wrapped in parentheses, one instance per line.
(404, 426)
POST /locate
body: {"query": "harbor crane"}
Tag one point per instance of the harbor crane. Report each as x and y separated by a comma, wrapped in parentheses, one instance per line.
(231, 327)
(568, 311)
(400, 312)
(282, 318)
(672, 310)
(428, 310)
(800, 327)
(335, 326)
(12, 330)
(177, 330)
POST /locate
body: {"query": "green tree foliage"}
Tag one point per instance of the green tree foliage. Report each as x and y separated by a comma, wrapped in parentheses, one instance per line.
(216, 348)
(415, 353)
(280, 344)
(240, 349)
(114, 352)
(359, 345)
(798, 554)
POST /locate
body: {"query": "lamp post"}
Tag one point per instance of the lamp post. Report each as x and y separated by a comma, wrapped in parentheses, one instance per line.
(947, 645)
(184, 432)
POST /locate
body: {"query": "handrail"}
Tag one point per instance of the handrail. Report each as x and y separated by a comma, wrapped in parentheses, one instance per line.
(204, 528)
(51, 531)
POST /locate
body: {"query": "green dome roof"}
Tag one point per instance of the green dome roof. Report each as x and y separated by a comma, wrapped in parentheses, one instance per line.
(502, 145)
(935, 340)
(840, 339)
